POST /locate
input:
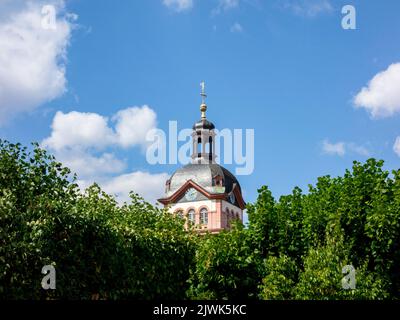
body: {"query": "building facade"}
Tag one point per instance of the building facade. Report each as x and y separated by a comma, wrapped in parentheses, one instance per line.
(203, 192)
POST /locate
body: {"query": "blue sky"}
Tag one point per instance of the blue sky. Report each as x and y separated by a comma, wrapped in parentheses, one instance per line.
(285, 68)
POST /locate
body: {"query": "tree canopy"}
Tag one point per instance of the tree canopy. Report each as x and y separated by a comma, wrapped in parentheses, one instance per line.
(294, 247)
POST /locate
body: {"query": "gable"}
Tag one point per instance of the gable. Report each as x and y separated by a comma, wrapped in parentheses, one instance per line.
(199, 197)
(179, 195)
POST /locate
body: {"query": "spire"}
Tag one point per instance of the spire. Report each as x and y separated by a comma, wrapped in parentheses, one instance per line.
(203, 135)
(203, 106)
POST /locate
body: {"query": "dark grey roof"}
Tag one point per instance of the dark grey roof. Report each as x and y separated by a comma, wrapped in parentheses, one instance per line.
(203, 124)
(203, 175)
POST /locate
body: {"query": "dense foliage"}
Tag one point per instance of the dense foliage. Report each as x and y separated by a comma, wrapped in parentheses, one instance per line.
(99, 249)
(292, 248)
(296, 248)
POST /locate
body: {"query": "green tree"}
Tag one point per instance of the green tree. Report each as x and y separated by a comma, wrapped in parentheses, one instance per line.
(293, 248)
(225, 267)
(280, 278)
(100, 249)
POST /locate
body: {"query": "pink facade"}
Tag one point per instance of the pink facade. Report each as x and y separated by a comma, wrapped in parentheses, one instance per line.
(217, 214)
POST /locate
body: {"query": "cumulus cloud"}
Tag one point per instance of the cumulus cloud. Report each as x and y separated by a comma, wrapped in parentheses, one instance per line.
(150, 186)
(229, 4)
(333, 148)
(79, 129)
(132, 125)
(361, 150)
(308, 8)
(225, 5)
(91, 130)
(81, 141)
(381, 97)
(341, 148)
(178, 5)
(32, 57)
(236, 28)
(396, 146)
(89, 166)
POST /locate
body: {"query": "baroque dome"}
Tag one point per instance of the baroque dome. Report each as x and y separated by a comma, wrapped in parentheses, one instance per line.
(205, 176)
(203, 124)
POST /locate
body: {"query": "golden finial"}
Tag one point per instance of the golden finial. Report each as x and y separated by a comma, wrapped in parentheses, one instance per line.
(203, 106)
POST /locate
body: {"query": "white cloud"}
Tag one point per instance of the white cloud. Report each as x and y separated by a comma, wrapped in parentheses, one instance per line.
(79, 129)
(333, 148)
(80, 140)
(308, 8)
(132, 125)
(361, 150)
(91, 130)
(224, 5)
(381, 97)
(228, 4)
(150, 186)
(89, 166)
(236, 28)
(341, 148)
(178, 5)
(396, 146)
(32, 58)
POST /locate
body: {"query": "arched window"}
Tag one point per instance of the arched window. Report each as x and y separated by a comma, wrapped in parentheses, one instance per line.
(204, 216)
(191, 216)
(199, 148)
(218, 181)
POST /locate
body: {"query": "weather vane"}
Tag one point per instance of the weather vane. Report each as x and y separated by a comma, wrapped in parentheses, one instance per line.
(203, 93)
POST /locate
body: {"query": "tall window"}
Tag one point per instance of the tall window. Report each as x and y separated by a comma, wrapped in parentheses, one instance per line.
(199, 148)
(191, 216)
(208, 148)
(217, 181)
(203, 216)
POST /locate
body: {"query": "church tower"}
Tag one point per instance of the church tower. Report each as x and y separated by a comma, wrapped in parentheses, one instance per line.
(203, 192)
